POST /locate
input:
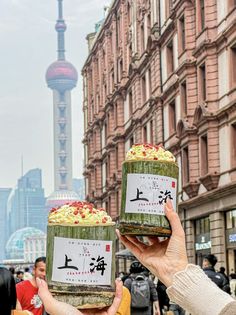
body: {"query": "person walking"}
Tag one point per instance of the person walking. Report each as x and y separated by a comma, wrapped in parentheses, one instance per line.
(208, 266)
(232, 284)
(27, 290)
(144, 298)
(8, 294)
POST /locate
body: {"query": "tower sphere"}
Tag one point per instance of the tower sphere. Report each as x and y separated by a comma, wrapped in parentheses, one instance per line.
(60, 26)
(61, 75)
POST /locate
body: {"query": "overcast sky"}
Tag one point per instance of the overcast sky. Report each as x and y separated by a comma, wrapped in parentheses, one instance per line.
(27, 47)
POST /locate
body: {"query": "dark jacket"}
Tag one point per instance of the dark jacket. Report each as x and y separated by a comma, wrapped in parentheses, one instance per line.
(216, 277)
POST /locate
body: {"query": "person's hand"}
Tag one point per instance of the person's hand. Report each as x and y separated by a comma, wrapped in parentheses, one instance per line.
(53, 306)
(111, 310)
(156, 308)
(162, 258)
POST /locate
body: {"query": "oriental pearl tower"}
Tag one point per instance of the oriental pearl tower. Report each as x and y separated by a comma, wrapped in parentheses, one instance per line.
(61, 77)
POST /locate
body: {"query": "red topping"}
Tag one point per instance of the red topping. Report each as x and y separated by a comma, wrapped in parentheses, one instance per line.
(76, 212)
(82, 215)
(76, 222)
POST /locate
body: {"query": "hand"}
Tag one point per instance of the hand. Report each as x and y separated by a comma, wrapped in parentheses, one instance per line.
(55, 307)
(162, 258)
(156, 308)
(111, 310)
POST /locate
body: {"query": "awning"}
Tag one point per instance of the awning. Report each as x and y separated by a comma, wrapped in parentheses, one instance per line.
(125, 253)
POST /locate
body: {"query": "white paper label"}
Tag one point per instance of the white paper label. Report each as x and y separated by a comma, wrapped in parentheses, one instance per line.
(80, 261)
(147, 193)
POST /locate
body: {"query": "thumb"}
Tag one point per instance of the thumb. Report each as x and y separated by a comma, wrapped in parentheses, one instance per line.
(172, 216)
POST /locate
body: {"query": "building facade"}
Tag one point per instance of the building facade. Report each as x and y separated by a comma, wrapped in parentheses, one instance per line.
(164, 72)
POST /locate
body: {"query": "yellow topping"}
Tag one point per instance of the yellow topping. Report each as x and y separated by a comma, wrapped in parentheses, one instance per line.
(78, 213)
(149, 152)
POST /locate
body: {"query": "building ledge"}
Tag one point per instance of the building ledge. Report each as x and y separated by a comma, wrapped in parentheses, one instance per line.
(208, 196)
(210, 181)
(191, 189)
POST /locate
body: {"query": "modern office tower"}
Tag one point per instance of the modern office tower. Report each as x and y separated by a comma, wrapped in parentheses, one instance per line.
(4, 194)
(61, 77)
(79, 187)
(26, 203)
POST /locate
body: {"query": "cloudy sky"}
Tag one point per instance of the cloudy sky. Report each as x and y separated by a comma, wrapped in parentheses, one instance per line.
(28, 47)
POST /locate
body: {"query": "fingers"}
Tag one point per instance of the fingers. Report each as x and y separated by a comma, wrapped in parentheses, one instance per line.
(117, 299)
(128, 244)
(174, 220)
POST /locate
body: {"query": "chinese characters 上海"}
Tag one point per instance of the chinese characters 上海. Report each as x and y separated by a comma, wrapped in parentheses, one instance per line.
(137, 196)
(100, 266)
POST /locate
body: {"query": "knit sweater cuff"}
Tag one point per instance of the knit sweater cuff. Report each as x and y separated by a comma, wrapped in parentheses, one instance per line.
(196, 293)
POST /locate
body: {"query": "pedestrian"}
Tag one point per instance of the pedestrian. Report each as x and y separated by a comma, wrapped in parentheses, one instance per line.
(222, 271)
(19, 276)
(187, 284)
(124, 308)
(27, 291)
(163, 298)
(208, 265)
(141, 301)
(27, 274)
(232, 284)
(8, 294)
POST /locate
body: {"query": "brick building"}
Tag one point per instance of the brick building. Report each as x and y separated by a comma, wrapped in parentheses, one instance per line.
(165, 72)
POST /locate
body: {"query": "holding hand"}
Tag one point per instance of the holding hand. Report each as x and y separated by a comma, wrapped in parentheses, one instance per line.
(54, 307)
(162, 258)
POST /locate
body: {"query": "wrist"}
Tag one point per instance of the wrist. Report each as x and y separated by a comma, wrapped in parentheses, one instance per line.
(170, 275)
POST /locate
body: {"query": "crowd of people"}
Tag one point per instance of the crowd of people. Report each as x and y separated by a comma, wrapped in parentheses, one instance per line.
(178, 286)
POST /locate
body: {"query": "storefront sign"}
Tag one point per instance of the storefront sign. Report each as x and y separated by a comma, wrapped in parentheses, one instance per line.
(200, 246)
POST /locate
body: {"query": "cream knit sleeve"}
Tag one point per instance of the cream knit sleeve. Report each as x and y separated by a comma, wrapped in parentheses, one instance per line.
(197, 294)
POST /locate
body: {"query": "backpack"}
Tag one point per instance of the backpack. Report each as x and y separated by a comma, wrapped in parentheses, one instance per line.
(140, 292)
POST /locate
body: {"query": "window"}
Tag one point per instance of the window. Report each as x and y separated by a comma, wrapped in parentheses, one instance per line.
(185, 165)
(182, 33)
(144, 95)
(170, 58)
(204, 155)
(150, 81)
(233, 66)
(202, 79)
(129, 13)
(131, 141)
(142, 38)
(183, 97)
(145, 134)
(172, 117)
(149, 24)
(168, 7)
(130, 103)
(231, 219)
(117, 157)
(233, 145)
(117, 202)
(151, 131)
(202, 14)
(202, 226)
(116, 115)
